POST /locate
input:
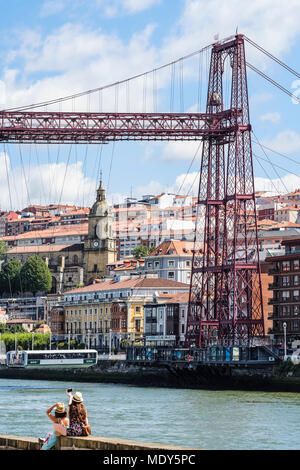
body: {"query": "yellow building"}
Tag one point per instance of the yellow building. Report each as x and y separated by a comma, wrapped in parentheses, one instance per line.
(106, 312)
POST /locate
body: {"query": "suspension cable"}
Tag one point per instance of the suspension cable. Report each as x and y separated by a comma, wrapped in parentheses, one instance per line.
(270, 162)
(287, 67)
(269, 79)
(281, 168)
(278, 153)
(117, 83)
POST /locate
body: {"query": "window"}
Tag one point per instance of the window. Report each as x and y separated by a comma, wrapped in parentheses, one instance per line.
(296, 265)
(285, 309)
(285, 295)
(123, 323)
(296, 280)
(171, 263)
(296, 295)
(171, 274)
(296, 309)
(285, 266)
(285, 281)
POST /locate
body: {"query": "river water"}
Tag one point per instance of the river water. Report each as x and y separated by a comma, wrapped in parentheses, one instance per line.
(188, 418)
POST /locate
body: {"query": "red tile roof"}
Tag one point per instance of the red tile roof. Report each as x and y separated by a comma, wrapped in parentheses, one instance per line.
(57, 231)
(39, 249)
(139, 283)
(179, 247)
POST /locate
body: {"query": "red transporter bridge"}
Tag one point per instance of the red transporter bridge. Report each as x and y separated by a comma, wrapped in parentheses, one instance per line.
(225, 305)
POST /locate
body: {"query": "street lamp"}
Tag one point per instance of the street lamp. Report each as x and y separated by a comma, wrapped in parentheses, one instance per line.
(109, 352)
(284, 334)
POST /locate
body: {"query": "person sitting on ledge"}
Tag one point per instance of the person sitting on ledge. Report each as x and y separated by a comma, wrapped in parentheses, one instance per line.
(60, 417)
(77, 416)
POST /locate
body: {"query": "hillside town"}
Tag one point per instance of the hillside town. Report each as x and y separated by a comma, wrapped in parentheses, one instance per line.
(121, 273)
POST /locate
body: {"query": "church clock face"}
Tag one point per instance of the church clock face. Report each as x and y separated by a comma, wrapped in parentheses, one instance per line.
(95, 244)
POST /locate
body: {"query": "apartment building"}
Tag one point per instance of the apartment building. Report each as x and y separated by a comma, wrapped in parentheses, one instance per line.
(110, 311)
(285, 288)
(165, 319)
(171, 260)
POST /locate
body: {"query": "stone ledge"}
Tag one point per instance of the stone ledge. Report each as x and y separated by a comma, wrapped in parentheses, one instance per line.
(10, 442)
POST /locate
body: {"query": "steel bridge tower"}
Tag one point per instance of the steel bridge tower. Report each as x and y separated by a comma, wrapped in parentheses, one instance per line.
(225, 303)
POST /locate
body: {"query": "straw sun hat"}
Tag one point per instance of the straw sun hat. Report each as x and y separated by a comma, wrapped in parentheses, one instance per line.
(60, 408)
(77, 397)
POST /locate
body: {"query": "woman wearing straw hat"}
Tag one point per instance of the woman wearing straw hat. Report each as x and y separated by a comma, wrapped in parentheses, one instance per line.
(60, 417)
(77, 416)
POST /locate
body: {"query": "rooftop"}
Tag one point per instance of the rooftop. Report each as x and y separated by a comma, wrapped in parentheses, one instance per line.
(139, 283)
(174, 247)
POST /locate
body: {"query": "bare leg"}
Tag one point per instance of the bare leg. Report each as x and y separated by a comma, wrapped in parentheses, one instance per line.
(60, 429)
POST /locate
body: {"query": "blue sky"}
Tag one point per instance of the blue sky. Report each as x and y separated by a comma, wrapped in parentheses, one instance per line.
(54, 48)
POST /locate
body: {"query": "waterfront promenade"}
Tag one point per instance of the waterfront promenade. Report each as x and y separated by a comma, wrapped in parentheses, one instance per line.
(10, 442)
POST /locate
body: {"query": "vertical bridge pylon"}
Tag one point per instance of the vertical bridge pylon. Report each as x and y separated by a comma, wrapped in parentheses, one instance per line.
(225, 304)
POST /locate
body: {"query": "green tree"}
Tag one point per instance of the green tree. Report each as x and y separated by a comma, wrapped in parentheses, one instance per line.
(36, 275)
(38, 324)
(140, 252)
(3, 248)
(10, 276)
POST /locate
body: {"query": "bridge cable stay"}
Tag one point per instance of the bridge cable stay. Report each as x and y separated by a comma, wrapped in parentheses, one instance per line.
(278, 166)
(266, 155)
(257, 159)
(279, 153)
(125, 81)
(271, 56)
(269, 79)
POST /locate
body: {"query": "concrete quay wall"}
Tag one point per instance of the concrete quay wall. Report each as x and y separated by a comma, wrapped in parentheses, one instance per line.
(166, 375)
(10, 442)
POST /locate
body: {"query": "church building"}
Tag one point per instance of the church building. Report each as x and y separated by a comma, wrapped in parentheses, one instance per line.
(100, 246)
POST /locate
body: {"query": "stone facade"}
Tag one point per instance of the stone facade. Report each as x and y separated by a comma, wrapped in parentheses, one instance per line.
(100, 247)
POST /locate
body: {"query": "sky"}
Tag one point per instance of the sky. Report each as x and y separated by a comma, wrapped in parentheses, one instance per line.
(56, 48)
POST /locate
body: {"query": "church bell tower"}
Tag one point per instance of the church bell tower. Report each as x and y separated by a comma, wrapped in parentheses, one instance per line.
(100, 246)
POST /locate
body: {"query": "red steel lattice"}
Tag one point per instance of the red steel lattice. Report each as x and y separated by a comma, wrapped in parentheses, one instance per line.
(103, 127)
(225, 305)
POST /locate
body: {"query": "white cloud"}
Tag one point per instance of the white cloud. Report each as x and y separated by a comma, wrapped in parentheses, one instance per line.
(277, 185)
(273, 24)
(44, 184)
(134, 6)
(75, 59)
(272, 117)
(287, 141)
(51, 7)
(185, 150)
